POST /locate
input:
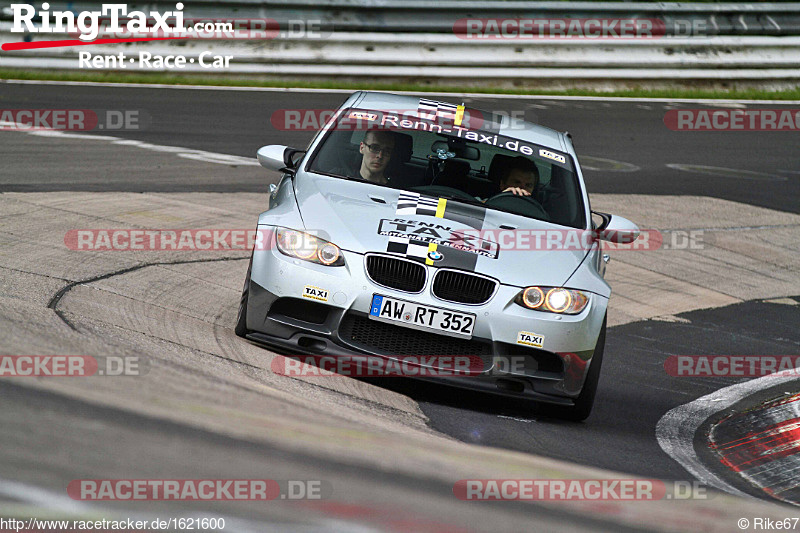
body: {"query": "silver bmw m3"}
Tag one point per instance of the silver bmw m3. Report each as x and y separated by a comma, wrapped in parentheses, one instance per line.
(412, 227)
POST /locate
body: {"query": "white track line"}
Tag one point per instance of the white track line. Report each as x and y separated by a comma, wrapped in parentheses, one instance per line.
(709, 101)
(676, 429)
(188, 153)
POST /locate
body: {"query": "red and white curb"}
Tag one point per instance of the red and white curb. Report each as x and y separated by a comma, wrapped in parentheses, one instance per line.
(675, 431)
(762, 445)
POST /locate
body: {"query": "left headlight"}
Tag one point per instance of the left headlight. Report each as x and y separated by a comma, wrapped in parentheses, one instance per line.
(308, 248)
(553, 300)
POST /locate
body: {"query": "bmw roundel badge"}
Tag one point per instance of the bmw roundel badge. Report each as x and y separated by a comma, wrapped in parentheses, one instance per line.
(434, 255)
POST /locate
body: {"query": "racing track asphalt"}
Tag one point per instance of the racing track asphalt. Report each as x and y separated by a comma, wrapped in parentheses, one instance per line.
(634, 393)
(634, 389)
(239, 122)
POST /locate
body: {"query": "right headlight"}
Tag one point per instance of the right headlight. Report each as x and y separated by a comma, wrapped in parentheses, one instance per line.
(553, 300)
(308, 248)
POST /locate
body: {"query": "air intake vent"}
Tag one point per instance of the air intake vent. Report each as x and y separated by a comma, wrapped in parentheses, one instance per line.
(388, 339)
(396, 273)
(462, 288)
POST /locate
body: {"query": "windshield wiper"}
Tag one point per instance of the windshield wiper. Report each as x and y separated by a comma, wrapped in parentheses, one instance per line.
(462, 200)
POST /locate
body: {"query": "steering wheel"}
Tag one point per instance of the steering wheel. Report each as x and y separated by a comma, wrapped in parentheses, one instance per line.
(520, 205)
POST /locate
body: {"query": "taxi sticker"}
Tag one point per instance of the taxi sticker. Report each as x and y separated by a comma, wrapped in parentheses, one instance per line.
(360, 115)
(315, 293)
(555, 157)
(530, 339)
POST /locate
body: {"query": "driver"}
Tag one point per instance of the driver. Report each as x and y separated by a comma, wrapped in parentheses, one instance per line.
(520, 177)
(376, 152)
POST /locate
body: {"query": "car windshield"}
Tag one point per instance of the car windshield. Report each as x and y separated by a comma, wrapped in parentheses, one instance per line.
(440, 159)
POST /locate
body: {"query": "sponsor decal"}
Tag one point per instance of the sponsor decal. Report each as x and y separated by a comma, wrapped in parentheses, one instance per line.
(393, 121)
(315, 293)
(435, 255)
(550, 155)
(455, 121)
(530, 339)
(412, 203)
(432, 110)
(361, 115)
(415, 233)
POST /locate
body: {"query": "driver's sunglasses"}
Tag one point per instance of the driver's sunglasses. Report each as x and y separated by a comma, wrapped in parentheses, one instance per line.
(377, 149)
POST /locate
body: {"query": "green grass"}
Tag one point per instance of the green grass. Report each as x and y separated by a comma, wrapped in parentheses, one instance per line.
(184, 79)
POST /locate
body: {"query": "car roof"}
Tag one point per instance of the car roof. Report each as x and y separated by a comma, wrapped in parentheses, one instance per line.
(523, 130)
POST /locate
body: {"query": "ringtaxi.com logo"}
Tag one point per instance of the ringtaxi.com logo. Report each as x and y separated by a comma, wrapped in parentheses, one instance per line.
(72, 366)
(232, 29)
(116, 21)
(197, 489)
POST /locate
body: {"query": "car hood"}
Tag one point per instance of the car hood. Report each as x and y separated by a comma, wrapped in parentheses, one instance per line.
(361, 217)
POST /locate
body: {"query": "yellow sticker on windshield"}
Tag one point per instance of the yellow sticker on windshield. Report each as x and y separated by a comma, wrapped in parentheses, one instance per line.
(551, 155)
(459, 115)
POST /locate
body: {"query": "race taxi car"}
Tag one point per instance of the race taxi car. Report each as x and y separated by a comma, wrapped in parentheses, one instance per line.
(410, 226)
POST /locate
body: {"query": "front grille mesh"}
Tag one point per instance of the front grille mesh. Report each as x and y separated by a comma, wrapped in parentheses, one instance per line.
(462, 287)
(396, 273)
(388, 339)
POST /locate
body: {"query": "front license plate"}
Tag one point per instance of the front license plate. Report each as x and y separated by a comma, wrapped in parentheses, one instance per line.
(419, 316)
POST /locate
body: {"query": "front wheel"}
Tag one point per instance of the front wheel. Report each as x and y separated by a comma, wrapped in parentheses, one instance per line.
(585, 400)
(241, 319)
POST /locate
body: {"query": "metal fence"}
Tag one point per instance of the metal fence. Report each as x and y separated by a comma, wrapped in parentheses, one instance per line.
(417, 41)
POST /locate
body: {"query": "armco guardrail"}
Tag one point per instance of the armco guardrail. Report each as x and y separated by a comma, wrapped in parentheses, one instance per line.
(414, 41)
(423, 16)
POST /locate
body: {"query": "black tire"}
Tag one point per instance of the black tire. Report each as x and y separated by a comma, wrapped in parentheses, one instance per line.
(241, 319)
(585, 401)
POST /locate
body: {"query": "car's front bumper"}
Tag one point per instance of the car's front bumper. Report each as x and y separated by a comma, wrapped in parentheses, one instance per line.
(278, 314)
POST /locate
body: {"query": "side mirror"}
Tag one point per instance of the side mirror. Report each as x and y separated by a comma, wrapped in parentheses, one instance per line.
(280, 158)
(616, 229)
